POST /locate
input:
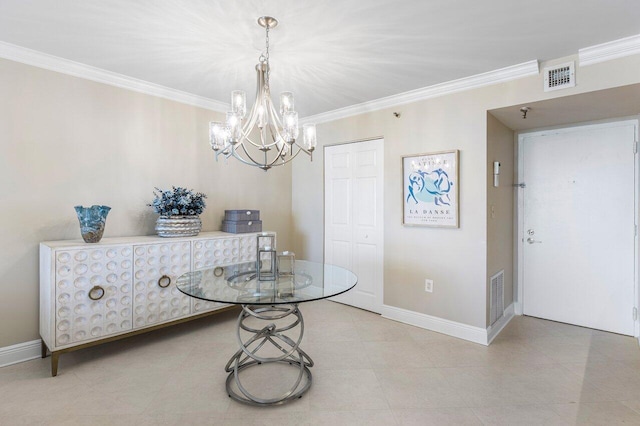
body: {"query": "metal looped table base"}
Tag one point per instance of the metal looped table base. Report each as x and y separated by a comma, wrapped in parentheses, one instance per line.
(289, 351)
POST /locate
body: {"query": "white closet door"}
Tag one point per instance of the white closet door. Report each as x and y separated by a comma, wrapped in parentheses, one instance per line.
(353, 218)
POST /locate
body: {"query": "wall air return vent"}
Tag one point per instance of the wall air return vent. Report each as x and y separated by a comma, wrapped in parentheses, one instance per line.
(559, 77)
(496, 302)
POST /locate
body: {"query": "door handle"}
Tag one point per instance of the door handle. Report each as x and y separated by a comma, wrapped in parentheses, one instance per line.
(532, 241)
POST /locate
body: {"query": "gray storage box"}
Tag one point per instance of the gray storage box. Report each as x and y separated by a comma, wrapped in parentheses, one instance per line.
(242, 215)
(241, 226)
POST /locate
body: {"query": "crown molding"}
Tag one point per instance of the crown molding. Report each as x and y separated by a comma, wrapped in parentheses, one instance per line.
(608, 51)
(76, 69)
(479, 80)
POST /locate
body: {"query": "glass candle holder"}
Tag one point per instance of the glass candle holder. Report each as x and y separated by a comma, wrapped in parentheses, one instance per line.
(286, 264)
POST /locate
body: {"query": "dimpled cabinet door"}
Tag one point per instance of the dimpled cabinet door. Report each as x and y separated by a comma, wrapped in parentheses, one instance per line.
(209, 254)
(156, 269)
(104, 274)
(248, 246)
(215, 252)
(199, 305)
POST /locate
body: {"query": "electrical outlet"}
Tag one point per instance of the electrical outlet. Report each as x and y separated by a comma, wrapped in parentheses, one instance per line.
(428, 285)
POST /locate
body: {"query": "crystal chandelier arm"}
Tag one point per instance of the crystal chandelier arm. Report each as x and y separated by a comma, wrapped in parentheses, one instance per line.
(274, 115)
(250, 126)
(263, 99)
(266, 165)
(274, 135)
(279, 135)
(271, 119)
(275, 125)
(252, 119)
(251, 161)
(301, 148)
(232, 152)
(292, 156)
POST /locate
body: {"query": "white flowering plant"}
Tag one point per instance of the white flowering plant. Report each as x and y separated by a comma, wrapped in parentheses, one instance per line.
(178, 202)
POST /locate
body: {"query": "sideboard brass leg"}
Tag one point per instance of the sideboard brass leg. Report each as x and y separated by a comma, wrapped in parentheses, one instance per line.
(54, 363)
(44, 349)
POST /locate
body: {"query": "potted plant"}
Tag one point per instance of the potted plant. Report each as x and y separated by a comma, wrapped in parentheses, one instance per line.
(179, 210)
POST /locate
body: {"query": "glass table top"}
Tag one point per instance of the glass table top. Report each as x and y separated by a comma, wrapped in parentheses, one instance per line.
(238, 284)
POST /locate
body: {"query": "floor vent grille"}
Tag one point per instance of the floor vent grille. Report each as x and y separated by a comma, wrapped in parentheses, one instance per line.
(497, 297)
(559, 77)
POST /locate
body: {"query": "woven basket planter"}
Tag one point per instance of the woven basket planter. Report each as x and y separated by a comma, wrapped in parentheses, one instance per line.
(178, 226)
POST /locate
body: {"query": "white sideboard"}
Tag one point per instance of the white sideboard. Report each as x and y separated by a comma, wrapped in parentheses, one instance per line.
(92, 293)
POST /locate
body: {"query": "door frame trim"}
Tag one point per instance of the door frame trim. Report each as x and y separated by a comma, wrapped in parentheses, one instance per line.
(519, 217)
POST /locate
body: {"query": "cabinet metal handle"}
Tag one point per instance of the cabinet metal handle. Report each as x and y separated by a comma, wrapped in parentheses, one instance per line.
(97, 289)
(164, 281)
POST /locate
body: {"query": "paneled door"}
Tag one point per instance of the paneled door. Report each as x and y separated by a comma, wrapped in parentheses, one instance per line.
(578, 225)
(353, 239)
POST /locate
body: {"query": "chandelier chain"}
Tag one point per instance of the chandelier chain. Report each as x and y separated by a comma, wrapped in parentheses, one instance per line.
(267, 60)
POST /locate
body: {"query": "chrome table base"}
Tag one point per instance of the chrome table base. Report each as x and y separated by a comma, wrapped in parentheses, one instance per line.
(288, 349)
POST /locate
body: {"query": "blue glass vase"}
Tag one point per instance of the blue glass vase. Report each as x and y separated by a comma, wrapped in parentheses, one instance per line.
(92, 220)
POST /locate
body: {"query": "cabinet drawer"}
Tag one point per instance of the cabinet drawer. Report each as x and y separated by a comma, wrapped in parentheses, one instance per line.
(156, 268)
(108, 272)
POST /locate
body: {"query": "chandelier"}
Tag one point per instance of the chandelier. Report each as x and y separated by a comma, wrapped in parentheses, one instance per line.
(265, 138)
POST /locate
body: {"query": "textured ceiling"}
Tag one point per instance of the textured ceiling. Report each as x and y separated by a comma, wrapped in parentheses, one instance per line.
(331, 53)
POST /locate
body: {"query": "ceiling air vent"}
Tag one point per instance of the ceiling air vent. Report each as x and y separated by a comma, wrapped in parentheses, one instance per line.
(559, 77)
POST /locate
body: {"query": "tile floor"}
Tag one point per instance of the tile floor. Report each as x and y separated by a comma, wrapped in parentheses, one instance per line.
(368, 371)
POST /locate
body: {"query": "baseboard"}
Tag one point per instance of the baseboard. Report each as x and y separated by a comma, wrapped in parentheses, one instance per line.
(517, 308)
(495, 329)
(439, 325)
(20, 352)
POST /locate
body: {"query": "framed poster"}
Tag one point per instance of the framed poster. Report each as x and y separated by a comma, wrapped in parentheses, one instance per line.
(430, 189)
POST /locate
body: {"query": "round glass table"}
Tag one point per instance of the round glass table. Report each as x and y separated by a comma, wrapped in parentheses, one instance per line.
(270, 316)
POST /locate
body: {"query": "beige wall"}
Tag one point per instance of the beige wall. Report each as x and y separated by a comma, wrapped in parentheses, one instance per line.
(453, 258)
(500, 206)
(66, 141)
(457, 259)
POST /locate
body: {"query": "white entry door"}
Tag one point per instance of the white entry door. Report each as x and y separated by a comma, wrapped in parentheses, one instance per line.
(578, 230)
(353, 184)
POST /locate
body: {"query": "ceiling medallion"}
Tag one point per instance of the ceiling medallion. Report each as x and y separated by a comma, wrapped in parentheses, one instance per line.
(265, 138)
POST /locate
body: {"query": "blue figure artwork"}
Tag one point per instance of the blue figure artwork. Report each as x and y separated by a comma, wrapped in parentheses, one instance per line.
(430, 187)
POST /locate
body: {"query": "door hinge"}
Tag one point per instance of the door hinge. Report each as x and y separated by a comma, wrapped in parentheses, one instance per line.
(635, 147)
(635, 314)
